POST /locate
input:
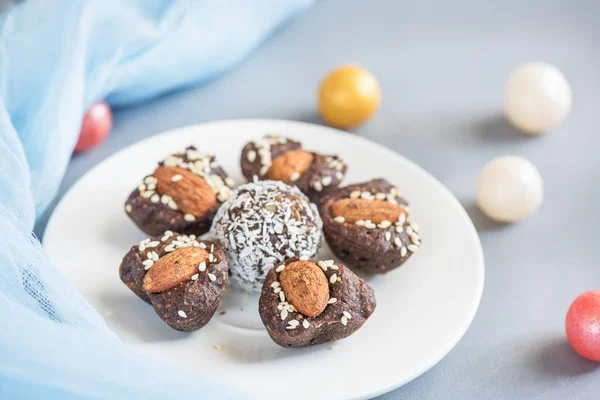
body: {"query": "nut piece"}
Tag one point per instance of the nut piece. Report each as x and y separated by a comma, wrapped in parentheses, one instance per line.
(191, 193)
(173, 269)
(305, 286)
(289, 165)
(362, 209)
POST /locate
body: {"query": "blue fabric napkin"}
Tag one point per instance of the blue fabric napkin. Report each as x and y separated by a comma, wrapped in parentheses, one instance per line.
(56, 59)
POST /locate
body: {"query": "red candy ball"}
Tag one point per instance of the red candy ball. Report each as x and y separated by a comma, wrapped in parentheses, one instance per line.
(583, 325)
(96, 125)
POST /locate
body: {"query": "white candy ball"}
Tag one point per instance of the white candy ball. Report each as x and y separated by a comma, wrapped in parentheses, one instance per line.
(509, 188)
(537, 97)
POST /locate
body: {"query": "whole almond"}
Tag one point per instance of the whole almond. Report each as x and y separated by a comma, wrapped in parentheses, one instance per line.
(363, 209)
(191, 193)
(305, 286)
(174, 268)
(289, 165)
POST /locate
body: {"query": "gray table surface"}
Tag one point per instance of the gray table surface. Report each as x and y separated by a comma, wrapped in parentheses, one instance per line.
(442, 66)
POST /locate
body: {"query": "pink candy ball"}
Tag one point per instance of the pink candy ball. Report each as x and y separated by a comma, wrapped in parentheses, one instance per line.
(583, 325)
(96, 125)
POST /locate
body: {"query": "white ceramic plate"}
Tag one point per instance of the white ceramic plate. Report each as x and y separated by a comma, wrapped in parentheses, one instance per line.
(423, 308)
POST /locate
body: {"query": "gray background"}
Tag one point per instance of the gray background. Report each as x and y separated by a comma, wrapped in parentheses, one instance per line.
(442, 66)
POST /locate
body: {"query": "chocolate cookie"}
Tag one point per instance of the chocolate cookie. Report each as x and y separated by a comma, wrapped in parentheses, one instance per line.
(182, 194)
(262, 224)
(305, 302)
(181, 277)
(278, 158)
(366, 226)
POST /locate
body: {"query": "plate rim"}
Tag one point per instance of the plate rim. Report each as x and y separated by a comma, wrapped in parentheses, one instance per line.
(307, 125)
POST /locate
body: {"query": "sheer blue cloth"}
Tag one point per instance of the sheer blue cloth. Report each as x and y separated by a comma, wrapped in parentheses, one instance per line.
(57, 58)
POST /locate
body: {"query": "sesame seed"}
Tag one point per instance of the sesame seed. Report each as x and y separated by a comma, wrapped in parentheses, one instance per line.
(189, 218)
(264, 169)
(333, 278)
(415, 227)
(154, 256)
(398, 242)
(322, 265)
(360, 222)
(399, 229)
(212, 277)
(169, 248)
(172, 205)
(229, 182)
(318, 186)
(280, 268)
(284, 314)
(165, 199)
(275, 284)
(340, 219)
(385, 224)
(415, 238)
(218, 347)
(293, 322)
(412, 248)
(202, 245)
(339, 175)
(128, 208)
(212, 247)
(366, 195)
(277, 290)
(380, 196)
(147, 240)
(409, 230)
(329, 263)
(326, 181)
(168, 233)
(141, 187)
(305, 324)
(402, 218)
(335, 267)
(290, 327)
(195, 277)
(347, 314)
(332, 300)
(344, 320)
(251, 156)
(182, 314)
(142, 247)
(335, 346)
(281, 296)
(295, 176)
(153, 243)
(304, 258)
(388, 236)
(148, 194)
(355, 194)
(403, 251)
(393, 201)
(202, 266)
(370, 225)
(176, 178)
(147, 264)
(211, 258)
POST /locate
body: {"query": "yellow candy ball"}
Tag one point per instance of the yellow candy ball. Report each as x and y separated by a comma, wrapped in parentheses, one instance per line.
(348, 96)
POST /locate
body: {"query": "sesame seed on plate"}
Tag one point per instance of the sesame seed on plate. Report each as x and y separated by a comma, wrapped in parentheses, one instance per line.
(339, 219)
(218, 347)
(344, 320)
(212, 277)
(182, 314)
(189, 218)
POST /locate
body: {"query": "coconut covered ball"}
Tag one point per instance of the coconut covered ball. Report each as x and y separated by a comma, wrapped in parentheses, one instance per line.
(262, 224)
